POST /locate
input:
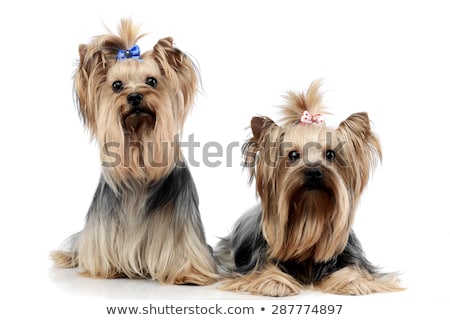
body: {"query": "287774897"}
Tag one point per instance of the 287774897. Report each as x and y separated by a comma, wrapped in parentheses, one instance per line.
(306, 309)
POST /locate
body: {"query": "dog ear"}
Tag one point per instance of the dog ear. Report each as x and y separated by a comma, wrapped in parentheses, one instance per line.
(260, 125)
(178, 67)
(357, 129)
(167, 56)
(91, 73)
(81, 80)
(260, 128)
(360, 146)
(82, 49)
(357, 124)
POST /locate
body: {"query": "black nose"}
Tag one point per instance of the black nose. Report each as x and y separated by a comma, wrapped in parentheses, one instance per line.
(313, 174)
(135, 99)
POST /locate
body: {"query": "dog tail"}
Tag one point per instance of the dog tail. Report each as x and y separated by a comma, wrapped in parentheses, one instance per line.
(67, 256)
(64, 259)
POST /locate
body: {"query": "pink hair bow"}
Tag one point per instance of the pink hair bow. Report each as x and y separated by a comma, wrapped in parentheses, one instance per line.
(308, 118)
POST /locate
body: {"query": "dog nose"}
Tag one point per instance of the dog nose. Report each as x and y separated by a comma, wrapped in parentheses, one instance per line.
(135, 99)
(313, 174)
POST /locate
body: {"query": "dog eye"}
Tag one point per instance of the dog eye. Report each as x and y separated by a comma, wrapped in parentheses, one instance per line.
(294, 155)
(330, 155)
(152, 82)
(117, 86)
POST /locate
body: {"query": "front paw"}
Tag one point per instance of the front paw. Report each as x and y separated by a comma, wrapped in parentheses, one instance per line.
(195, 277)
(352, 281)
(270, 281)
(275, 287)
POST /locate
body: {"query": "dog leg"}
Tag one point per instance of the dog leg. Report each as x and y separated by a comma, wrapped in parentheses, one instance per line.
(269, 281)
(184, 261)
(195, 277)
(354, 281)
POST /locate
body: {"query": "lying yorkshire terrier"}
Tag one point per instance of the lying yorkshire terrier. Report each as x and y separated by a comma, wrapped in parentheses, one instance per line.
(309, 178)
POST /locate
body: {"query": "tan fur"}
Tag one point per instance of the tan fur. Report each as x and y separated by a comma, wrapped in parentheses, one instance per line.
(136, 152)
(177, 86)
(64, 259)
(296, 103)
(269, 281)
(309, 225)
(350, 281)
(286, 242)
(323, 235)
(148, 250)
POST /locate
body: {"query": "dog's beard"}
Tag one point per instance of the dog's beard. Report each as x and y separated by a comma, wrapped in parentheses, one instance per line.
(139, 120)
(308, 221)
(139, 145)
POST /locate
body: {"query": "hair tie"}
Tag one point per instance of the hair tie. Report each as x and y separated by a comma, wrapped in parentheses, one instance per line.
(308, 118)
(132, 53)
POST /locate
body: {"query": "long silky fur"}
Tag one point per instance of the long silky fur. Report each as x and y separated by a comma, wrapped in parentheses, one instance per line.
(155, 233)
(302, 233)
(144, 220)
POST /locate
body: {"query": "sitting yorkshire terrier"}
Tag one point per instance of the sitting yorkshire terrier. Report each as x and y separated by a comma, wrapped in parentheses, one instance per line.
(144, 220)
(309, 178)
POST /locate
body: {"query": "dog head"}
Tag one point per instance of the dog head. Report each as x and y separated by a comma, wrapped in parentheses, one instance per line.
(309, 176)
(134, 103)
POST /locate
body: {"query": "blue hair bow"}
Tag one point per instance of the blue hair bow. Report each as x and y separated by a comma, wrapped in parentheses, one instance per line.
(133, 53)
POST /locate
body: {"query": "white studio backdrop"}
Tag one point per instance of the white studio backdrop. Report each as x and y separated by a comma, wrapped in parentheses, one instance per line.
(389, 58)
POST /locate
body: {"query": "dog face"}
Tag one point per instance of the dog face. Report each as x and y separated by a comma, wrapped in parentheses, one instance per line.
(309, 178)
(132, 95)
(134, 104)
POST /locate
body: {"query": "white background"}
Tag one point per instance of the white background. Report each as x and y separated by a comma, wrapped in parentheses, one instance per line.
(389, 58)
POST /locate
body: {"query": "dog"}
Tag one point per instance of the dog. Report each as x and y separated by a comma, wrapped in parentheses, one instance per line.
(144, 220)
(309, 178)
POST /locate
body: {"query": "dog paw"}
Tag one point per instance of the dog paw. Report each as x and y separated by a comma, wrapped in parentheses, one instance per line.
(269, 281)
(189, 276)
(350, 281)
(279, 287)
(196, 278)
